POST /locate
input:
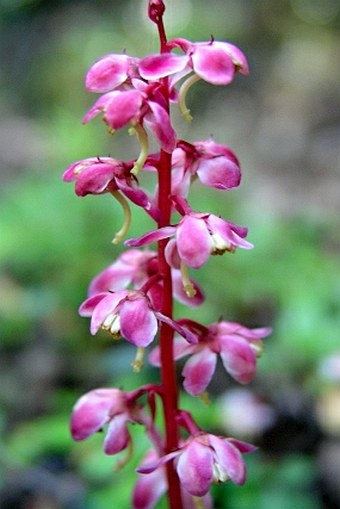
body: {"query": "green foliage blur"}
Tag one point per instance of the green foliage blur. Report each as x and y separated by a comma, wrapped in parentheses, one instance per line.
(283, 122)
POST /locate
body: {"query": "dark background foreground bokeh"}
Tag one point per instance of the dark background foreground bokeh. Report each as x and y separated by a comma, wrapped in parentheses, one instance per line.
(283, 121)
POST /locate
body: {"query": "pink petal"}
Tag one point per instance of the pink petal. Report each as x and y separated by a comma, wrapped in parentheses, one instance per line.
(88, 306)
(154, 236)
(99, 106)
(213, 64)
(148, 489)
(241, 330)
(155, 295)
(243, 447)
(122, 108)
(219, 173)
(171, 254)
(137, 196)
(115, 277)
(183, 331)
(117, 436)
(190, 502)
(152, 462)
(228, 327)
(180, 180)
(229, 458)
(180, 294)
(180, 348)
(158, 121)
(105, 308)
(238, 358)
(107, 73)
(138, 323)
(195, 467)
(198, 371)
(193, 241)
(93, 410)
(70, 173)
(155, 357)
(230, 233)
(258, 333)
(94, 179)
(237, 56)
(154, 67)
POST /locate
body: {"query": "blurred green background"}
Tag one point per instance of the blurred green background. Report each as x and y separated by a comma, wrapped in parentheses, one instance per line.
(283, 121)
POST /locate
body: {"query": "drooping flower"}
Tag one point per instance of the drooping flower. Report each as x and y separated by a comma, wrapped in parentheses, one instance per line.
(136, 107)
(196, 237)
(150, 487)
(215, 165)
(136, 267)
(156, 9)
(128, 313)
(105, 407)
(215, 61)
(205, 459)
(237, 346)
(98, 175)
(111, 71)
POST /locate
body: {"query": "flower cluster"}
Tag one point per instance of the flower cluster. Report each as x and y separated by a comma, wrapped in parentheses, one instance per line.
(132, 298)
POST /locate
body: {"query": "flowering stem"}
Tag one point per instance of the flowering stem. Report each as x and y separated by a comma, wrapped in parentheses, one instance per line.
(168, 374)
(166, 335)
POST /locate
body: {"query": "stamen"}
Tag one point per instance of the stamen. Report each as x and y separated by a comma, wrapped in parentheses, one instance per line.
(138, 363)
(111, 324)
(187, 284)
(219, 474)
(182, 96)
(127, 217)
(219, 245)
(143, 140)
(257, 346)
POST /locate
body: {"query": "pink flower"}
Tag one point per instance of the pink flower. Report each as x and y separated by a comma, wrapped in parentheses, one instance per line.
(102, 407)
(150, 487)
(205, 459)
(98, 175)
(237, 346)
(215, 62)
(128, 313)
(111, 71)
(135, 106)
(196, 237)
(215, 165)
(135, 267)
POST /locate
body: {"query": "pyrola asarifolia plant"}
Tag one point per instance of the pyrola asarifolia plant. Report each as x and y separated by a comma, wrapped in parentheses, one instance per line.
(133, 297)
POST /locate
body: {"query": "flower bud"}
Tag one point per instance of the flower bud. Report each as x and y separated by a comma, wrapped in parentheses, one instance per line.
(156, 10)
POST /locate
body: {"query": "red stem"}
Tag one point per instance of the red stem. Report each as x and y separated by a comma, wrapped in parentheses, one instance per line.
(168, 373)
(166, 337)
